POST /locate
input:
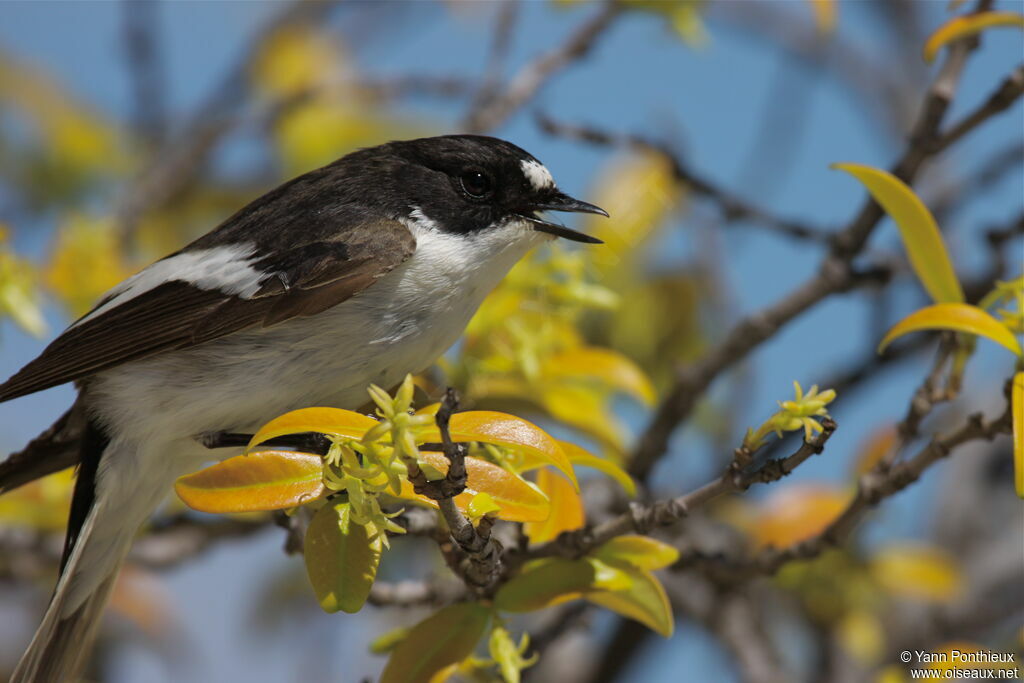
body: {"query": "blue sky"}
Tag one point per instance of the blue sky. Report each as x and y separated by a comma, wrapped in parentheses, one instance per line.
(641, 79)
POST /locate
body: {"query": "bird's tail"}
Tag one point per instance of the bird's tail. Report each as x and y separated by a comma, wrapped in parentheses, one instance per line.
(61, 646)
(110, 509)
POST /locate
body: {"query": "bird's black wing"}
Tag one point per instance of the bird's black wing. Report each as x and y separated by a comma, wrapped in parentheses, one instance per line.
(298, 281)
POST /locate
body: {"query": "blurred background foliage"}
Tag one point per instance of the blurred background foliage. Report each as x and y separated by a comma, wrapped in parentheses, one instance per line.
(758, 96)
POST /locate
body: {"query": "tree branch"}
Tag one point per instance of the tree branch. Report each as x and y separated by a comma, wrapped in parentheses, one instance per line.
(999, 101)
(873, 487)
(833, 277)
(643, 518)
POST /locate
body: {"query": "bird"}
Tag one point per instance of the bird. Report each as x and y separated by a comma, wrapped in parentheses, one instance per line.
(355, 273)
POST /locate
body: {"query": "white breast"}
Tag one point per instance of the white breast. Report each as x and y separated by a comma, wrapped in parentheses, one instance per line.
(400, 324)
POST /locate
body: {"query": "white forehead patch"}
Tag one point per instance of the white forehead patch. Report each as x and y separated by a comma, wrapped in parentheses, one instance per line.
(538, 176)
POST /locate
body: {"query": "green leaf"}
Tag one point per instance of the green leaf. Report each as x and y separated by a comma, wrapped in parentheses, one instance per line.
(341, 558)
(921, 236)
(267, 480)
(956, 317)
(446, 637)
(641, 552)
(643, 600)
(543, 583)
(386, 642)
(508, 655)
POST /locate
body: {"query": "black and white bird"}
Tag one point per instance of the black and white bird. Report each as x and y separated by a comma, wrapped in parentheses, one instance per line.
(361, 271)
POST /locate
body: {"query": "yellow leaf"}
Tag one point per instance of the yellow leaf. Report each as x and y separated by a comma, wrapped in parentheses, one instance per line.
(18, 296)
(642, 552)
(517, 500)
(958, 28)
(85, 262)
(586, 410)
(921, 237)
(481, 505)
(1017, 405)
(611, 368)
(566, 508)
(918, 572)
(341, 558)
(578, 456)
(862, 635)
(957, 317)
(331, 421)
(644, 600)
(41, 505)
(682, 15)
(502, 429)
(824, 15)
(796, 513)
(640, 192)
(544, 583)
(444, 638)
(296, 58)
(266, 480)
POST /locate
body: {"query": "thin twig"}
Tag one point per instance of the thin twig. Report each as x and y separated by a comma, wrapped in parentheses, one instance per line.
(873, 487)
(643, 518)
(482, 565)
(492, 112)
(732, 207)
(999, 101)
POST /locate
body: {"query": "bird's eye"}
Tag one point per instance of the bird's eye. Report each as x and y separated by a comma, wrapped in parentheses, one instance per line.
(476, 183)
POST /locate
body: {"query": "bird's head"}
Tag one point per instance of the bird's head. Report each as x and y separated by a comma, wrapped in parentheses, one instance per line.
(469, 183)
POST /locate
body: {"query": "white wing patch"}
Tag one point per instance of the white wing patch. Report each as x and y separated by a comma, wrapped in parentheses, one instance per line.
(539, 177)
(225, 268)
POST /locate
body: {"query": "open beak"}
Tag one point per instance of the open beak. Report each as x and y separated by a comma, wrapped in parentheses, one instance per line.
(563, 202)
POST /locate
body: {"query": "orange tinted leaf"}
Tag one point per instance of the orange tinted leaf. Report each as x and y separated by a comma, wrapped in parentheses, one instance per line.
(644, 600)
(921, 237)
(446, 637)
(544, 583)
(566, 508)
(341, 558)
(506, 430)
(918, 572)
(266, 480)
(796, 513)
(967, 25)
(142, 597)
(519, 502)
(605, 365)
(956, 317)
(1017, 405)
(824, 15)
(875, 447)
(332, 421)
(642, 552)
(578, 456)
